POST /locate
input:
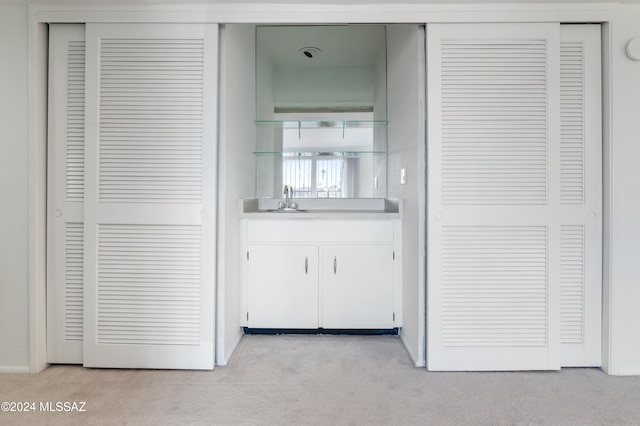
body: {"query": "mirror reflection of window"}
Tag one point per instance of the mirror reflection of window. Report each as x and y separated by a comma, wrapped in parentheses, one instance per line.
(320, 176)
(320, 156)
(298, 172)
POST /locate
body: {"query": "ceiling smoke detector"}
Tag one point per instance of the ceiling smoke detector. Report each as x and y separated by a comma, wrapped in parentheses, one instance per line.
(310, 52)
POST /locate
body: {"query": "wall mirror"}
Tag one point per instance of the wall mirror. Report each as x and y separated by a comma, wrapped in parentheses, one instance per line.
(321, 111)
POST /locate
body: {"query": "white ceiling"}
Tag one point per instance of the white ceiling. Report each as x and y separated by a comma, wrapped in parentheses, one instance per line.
(340, 45)
(320, 2)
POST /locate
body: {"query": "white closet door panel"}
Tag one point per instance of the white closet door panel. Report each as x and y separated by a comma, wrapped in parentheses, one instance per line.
(581, 195)
(493, 185)
(149, 284)
(65, 194)
(150, 204)
(151, 106)
(494, 286)
(494, 122)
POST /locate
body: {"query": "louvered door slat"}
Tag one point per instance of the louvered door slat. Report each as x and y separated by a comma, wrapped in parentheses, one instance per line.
(493, 303)
(65, 234)
(572, 121)
(75, 121)
(572, 281)
(492, 157)
(494, 286)
(136, 78)
(150, 206)
(74, 277)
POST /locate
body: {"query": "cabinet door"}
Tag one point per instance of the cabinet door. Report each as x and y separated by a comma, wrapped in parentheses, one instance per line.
(357, 286)
(283, 286)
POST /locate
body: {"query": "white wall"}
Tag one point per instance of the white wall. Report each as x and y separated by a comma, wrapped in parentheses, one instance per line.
(14, 209)
(236, 175)
(406, 134)
(14, 191)
(625, 213)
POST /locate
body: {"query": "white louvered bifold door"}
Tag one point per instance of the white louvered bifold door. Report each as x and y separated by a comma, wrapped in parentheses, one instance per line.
(493, 197)
(65, 194)
(150, 201)
(581, 196)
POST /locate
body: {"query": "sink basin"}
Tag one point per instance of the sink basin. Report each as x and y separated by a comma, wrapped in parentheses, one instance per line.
(322, 207)
(284, 210)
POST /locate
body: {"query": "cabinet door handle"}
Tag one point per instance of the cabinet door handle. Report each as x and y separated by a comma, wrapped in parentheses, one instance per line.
(306, 265)
(335, 264)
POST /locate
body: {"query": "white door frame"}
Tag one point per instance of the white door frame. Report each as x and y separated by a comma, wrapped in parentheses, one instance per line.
(39, 16)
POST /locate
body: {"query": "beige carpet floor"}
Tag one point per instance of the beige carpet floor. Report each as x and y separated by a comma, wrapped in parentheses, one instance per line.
(324, 380)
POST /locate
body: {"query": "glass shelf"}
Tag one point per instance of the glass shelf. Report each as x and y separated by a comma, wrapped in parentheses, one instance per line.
(348, 157)
(318, 153)
(276, 136)
(335, 130)
(322, 124)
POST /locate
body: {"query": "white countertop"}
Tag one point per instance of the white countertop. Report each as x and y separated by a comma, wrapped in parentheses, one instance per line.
(336, 208)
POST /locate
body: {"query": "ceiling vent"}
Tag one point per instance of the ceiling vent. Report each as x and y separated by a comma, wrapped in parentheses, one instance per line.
(310, 52)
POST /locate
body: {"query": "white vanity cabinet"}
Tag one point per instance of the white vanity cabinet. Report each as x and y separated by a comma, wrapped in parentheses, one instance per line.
(357, 286)
(333, 274)
(283, 286)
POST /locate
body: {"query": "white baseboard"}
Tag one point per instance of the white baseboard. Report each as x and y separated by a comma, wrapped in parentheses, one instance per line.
(9, 369)
(625, 372)
(412, 355)
(232, 348)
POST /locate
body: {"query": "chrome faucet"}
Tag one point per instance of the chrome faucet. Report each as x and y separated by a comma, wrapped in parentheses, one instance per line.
(292, 204)
(288, 197)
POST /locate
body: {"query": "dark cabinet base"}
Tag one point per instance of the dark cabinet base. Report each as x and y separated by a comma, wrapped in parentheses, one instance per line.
(357, 332)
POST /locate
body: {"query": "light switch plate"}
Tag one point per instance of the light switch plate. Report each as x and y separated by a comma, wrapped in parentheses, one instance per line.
(403, 176)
